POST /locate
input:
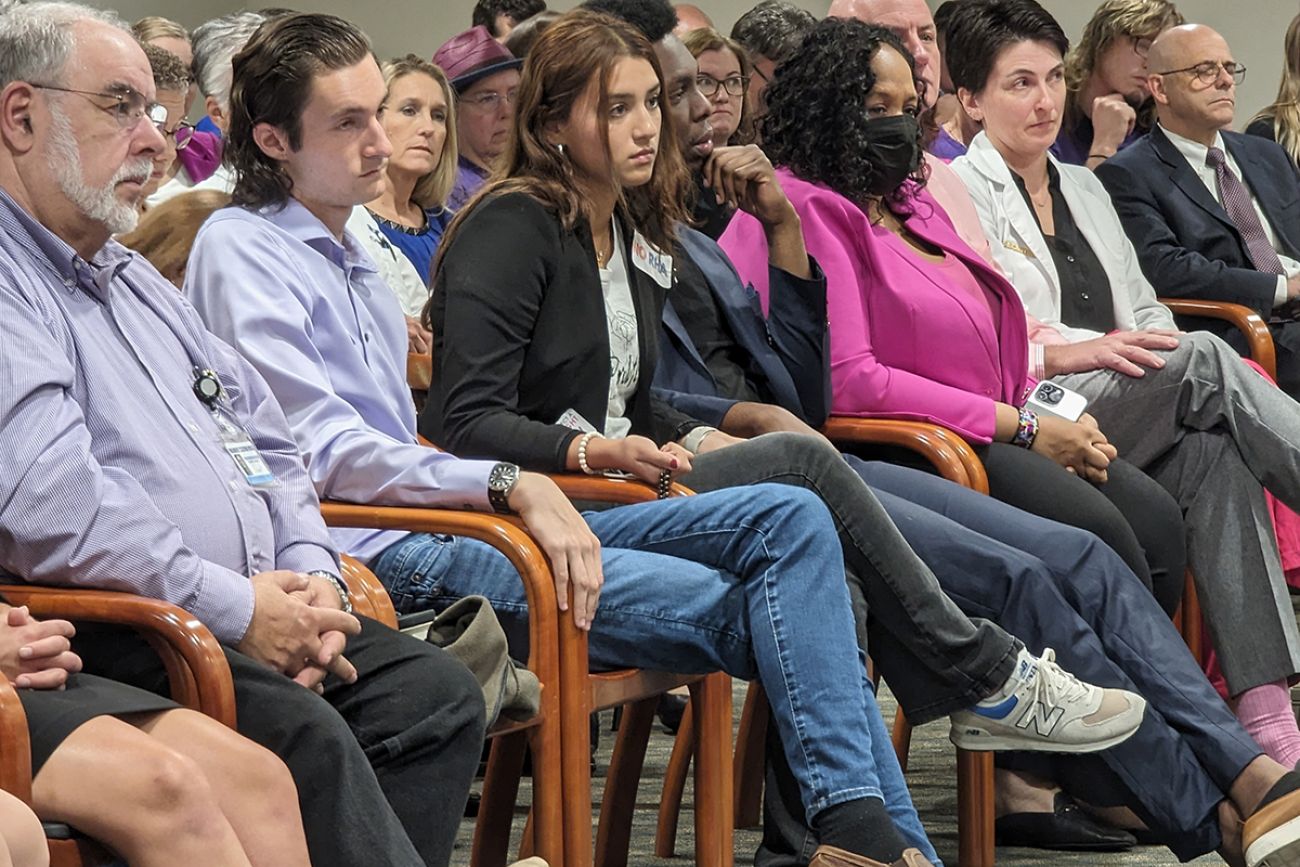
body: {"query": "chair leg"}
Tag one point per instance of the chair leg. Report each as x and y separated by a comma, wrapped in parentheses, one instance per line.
(497, 807)
(614, 833)
(714, 775)
(975, 809)
(670, 800)
(751, 757)
(527, 844)
(902, 738)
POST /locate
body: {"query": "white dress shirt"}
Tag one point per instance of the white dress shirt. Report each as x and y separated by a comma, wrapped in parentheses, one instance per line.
(1195, 153)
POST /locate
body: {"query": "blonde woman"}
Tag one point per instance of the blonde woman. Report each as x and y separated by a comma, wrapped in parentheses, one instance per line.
(401, 229)
(724, 76)
(1280, 122)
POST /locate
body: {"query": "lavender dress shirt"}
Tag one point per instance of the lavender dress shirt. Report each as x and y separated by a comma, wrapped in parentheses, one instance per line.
(112, 473)
(313, 316)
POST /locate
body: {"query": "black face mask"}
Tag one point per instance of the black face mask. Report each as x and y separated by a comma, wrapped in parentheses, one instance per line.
(894, 150)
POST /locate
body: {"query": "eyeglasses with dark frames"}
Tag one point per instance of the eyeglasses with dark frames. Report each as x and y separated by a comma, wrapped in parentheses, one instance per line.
(1208, 71)
(734, 85)
(128, 107)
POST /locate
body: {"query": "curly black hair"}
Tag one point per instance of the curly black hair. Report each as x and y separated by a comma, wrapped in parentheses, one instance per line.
(815, 124)
(654, 18)
(486, 11)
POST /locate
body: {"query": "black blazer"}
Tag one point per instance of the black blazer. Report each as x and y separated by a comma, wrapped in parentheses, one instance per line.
(520, 337)
(1186, 244)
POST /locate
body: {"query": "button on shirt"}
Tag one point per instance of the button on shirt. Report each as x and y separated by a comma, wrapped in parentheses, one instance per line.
(313, 316)
(112, 473)
(1195, 153)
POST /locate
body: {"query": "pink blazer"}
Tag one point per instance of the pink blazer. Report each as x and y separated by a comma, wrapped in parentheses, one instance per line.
(900, 347)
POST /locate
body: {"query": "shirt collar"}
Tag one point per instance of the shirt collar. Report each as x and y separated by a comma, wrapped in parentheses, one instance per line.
(295, 220)
(472, 167)
(95, 276)
(1193, 151)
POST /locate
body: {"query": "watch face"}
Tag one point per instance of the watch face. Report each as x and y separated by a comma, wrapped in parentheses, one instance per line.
(503, 476)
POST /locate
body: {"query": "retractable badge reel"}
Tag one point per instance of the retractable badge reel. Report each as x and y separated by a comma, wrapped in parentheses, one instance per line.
(234, 439)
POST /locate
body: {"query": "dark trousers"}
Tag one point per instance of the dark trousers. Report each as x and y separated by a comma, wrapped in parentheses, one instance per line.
(1131, 512)
(383, 766)
(1053, 586)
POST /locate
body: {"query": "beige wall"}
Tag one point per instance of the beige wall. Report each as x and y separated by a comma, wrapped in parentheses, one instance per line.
(1254, 28)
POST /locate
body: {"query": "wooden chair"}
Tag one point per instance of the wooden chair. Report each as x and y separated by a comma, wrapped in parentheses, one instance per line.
(953, 458)
(197, 672)
(542, 734)
(1259, 340)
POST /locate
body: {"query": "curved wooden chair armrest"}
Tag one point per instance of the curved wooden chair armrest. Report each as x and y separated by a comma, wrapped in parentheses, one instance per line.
(951, 455)
(419, 371)
(603, 489)
(369, 596)
(1258, 338)
(505, 534)
(197, 670)
(15, 745)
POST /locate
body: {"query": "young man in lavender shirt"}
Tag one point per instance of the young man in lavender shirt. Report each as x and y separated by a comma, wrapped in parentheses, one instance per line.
(142, 454)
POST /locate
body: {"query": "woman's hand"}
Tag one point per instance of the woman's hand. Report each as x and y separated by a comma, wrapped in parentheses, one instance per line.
(36, 654)
(418, 339)
(565, 538)
(637, 455)
(1126, 352)
(1079, 446)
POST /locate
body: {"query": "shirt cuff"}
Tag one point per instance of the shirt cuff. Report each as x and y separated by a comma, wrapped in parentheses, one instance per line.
(224, 603)
(307, 557)
(1280, 294)
(462, 484)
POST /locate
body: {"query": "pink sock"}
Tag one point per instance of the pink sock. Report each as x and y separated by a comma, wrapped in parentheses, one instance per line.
(1266, 713)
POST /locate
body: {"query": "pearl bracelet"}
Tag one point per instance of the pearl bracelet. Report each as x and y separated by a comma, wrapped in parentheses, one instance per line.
(582, 453)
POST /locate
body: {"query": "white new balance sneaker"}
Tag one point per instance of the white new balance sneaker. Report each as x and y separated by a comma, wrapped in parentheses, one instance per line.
(1044, 708)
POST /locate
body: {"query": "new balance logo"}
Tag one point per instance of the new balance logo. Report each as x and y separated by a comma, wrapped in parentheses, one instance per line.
(1044, 719)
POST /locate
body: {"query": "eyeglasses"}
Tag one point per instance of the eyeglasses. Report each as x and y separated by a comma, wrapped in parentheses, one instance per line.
(1208, 72)
(1142, 46)
(490, 101)
(708, 85)
(128, 107)
(182, 134)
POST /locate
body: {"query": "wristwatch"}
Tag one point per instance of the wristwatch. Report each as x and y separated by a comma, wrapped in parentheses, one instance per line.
(338, 585)
(501, 481)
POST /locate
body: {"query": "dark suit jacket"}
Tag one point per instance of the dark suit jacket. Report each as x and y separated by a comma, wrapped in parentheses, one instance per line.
(788, 351)
(519, 338)
(1187, 245)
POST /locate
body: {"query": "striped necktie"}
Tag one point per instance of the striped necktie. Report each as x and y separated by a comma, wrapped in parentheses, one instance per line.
(1241, 210)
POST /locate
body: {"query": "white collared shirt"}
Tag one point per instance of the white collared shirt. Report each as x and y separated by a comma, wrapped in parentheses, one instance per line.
(1195, 153)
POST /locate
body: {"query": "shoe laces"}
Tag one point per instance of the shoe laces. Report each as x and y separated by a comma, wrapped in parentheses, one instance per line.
(1054, 685)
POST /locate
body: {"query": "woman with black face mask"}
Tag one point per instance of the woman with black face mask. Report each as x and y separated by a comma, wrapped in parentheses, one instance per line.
(922, 327)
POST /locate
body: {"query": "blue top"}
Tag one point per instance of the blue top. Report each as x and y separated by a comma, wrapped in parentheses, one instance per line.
(418, 245)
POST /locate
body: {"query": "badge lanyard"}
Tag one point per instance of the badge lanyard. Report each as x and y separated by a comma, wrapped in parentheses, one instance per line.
(234, 439)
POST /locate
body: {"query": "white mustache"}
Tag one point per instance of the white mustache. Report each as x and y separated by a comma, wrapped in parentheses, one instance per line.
(137, 170)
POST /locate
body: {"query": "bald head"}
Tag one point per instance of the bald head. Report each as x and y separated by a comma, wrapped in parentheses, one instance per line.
(690, 17)
(1192, 81)
(910, 21)
(1182, 46)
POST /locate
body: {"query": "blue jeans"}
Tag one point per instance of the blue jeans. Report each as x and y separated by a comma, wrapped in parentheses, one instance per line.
(749, 581)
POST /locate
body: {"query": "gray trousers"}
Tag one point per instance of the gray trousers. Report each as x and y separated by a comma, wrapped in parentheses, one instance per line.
(1214, 433)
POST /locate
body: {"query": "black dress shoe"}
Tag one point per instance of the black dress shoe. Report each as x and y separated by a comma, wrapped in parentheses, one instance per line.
(1066, 828)
(670, 710)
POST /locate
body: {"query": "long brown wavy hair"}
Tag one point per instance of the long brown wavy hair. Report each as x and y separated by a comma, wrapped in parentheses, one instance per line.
(580, 48)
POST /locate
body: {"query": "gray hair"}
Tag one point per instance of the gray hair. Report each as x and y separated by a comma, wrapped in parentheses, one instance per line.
(216, 43)
(36, 39)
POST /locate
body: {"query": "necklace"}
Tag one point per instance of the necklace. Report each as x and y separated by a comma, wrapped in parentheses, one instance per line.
(401, 227)
(603, 256)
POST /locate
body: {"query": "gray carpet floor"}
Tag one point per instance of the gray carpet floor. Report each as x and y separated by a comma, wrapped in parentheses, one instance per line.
(931, 777)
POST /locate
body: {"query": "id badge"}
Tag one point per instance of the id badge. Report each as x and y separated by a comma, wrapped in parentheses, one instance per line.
(237, 444)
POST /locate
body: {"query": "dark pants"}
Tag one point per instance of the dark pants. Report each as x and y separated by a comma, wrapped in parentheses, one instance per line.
(383, 766)
(1131, 512)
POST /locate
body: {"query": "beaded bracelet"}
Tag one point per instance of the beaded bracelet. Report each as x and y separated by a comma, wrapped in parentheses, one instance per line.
(582, 453)
(665, 484)
(1026, 430)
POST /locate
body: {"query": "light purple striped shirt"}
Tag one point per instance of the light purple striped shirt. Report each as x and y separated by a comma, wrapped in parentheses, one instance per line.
(112, 473)
(314, 317)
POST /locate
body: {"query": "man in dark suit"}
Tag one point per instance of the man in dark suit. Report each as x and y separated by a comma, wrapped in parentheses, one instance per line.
(1213, 214)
